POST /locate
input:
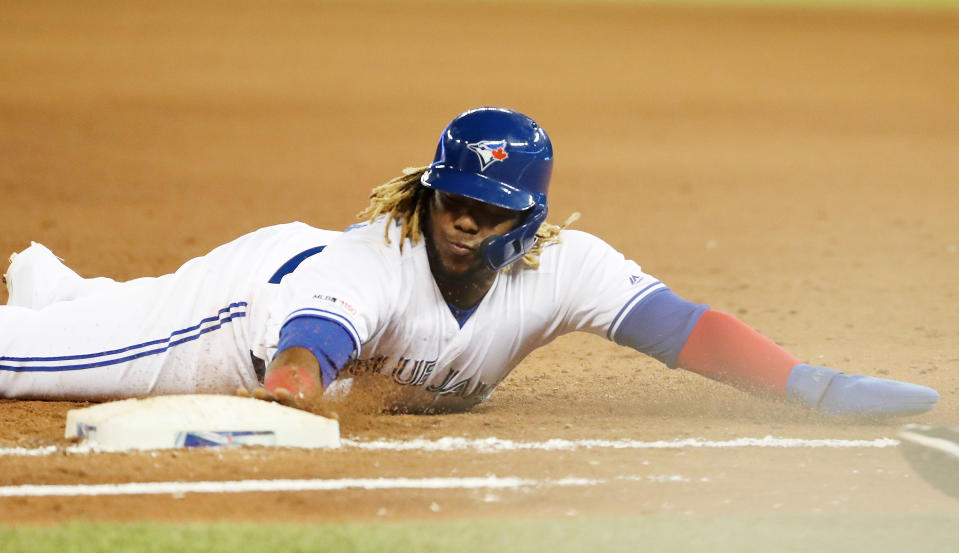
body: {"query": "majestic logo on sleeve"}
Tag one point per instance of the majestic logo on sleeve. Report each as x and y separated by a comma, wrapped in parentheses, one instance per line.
(489, 151)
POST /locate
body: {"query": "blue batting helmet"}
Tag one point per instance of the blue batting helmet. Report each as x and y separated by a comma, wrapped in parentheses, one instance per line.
(500, 157)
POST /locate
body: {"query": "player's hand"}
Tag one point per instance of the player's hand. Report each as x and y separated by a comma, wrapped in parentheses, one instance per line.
(317, 405)
(876, 397)
(291, 386)
(281, 395)
(836, 393)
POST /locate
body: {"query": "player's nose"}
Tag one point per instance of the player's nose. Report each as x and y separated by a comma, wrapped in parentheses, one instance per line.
(465, 222)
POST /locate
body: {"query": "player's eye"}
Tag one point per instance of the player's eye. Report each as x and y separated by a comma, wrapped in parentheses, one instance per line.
(486, 214)
(452, 201)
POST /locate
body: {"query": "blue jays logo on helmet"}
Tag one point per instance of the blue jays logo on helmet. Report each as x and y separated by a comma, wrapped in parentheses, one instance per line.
(500, 157)
(489, 151)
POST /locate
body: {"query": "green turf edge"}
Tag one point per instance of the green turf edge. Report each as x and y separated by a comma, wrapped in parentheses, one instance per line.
(740, 534)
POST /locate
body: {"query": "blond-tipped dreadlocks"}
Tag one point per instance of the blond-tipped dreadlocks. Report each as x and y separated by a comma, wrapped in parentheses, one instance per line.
(404, 199)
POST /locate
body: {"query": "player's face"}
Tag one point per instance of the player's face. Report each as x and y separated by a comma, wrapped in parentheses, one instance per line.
(458, 225)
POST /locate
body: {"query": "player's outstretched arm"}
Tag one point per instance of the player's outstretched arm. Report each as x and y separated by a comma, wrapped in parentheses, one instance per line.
(311, 353)
(292, 378)
(723, 348)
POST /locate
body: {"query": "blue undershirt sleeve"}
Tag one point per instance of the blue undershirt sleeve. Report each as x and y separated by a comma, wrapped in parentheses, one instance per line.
(329, 342)
(659, 325)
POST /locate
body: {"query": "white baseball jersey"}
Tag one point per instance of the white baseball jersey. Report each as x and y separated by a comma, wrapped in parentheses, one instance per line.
(65, 337)
(194, 330)
(387, 299)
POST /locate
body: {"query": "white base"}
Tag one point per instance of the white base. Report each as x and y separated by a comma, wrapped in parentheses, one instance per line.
(199, 420)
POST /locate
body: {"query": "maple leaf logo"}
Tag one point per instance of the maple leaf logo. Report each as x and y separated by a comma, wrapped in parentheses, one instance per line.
(489, 151)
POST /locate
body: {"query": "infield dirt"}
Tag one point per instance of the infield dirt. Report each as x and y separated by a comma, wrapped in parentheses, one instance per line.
(794, 167)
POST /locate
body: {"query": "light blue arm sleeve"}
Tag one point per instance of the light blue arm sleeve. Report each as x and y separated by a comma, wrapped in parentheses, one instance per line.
(659, 325)
(329, 342)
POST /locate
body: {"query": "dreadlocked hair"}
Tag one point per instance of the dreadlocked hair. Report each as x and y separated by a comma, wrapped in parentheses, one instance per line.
(547, 234)
(404, 200)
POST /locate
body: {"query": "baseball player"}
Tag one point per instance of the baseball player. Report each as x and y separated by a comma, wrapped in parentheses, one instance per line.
(453, 278)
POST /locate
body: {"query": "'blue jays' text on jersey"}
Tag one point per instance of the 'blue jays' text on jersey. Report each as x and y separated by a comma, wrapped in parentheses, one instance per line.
(384, 295)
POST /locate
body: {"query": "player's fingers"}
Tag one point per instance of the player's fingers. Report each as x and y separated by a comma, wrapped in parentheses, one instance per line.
(263, 394)
(286, 397)
(242, 392)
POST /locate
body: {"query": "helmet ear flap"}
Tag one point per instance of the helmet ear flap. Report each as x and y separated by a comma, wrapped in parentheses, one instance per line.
(503, 250)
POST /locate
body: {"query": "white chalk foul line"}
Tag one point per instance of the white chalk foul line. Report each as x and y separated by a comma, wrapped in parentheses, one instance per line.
(442, 444)
(242, 486)
(497, 444)
(28, 452)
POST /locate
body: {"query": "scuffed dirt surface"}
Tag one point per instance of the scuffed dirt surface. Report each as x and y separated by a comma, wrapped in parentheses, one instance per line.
(794, 167)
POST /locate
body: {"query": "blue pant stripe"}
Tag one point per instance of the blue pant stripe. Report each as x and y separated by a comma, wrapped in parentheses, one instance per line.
(170, 343)
(130, 348)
